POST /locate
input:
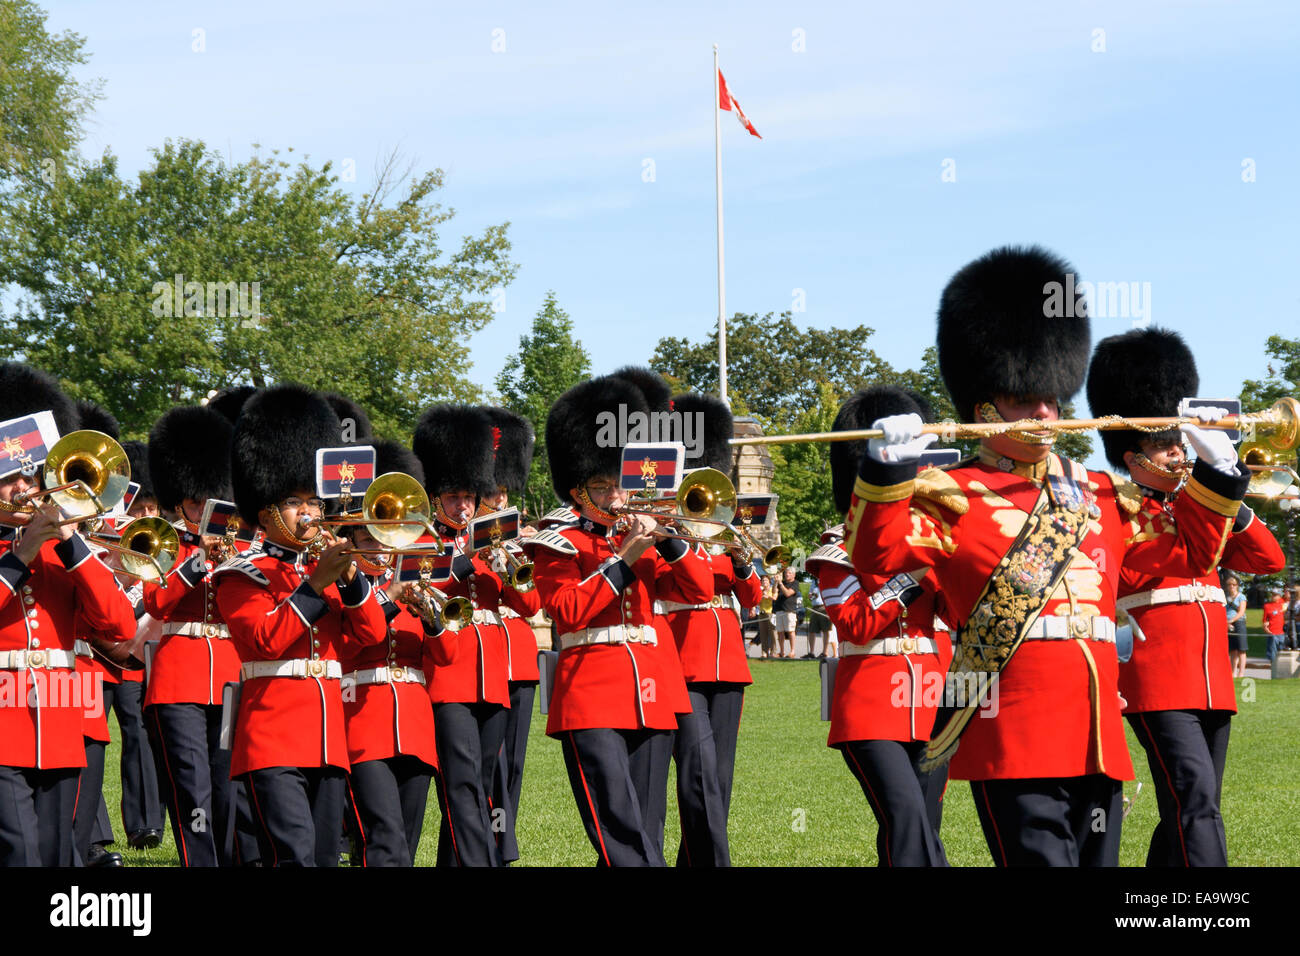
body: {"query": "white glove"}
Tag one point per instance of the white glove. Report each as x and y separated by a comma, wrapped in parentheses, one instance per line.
(1212, 446)
(903, 440)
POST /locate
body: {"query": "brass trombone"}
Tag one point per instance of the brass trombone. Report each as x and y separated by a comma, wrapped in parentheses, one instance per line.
(86, 474)
(1271, 473)
(149, 547)
(704, 504)
(395, 510)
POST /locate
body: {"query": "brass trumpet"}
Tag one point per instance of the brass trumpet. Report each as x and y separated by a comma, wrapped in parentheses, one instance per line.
(521, 572)
(86, 474)
(456, 612)
(149, 548)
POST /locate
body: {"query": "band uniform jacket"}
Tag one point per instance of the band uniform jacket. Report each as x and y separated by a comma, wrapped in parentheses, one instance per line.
(521, 643)
(1183, 664)
(880, 696)
(274, 615)
(189, 669)
(709, 642)
(1057, 706)
(584, 584)
(42, 608)
(390, 719)
(476, 672)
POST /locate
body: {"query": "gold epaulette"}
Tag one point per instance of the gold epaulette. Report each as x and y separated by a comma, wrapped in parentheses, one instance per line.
(1127, 494)
(935, 484)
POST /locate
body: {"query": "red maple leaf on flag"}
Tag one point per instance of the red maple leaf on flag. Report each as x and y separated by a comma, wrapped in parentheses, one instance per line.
(728, 102)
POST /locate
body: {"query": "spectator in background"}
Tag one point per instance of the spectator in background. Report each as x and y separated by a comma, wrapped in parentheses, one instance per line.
(1274, 618)
(766, 629)
(1236, 609)
(818, 623)
(785, 610)
(1291, 620)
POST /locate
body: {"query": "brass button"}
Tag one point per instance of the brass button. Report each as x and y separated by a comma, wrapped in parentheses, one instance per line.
(36, 659)
(36, 642)
(29, 600)
(315, 643)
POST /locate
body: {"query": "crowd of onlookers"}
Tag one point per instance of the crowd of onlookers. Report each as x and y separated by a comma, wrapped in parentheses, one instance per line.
(1282, 620)
(775, 633)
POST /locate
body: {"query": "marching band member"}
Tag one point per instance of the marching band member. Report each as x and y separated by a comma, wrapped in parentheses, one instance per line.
(884, 702)
(386, 708)
(512, 444)
(612, 707)
(1178, 684)
(1027, 547)
(49, 581)
(714, 665)
(291, 616)
(470, 694)
(189, 462)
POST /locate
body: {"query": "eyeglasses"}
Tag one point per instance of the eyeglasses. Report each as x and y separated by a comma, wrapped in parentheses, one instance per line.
(601, 488)
(297, 504)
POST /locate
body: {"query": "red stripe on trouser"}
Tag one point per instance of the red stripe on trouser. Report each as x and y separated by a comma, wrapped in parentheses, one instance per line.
(876, 804)
(1178, 807)
(356, 814)
(446, 812)
(257, 808)
(176, 807)
(993, 822)
(595, 819)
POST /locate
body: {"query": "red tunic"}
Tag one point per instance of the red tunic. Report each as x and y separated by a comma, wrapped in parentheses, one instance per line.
(1183, 664)
(273, 615)
(476, 669)
(390, 719)
(709, 642)
(521, 642)
(193, 668)
(43, 607)
(583, 584)
(1057, 709)
(879, 696)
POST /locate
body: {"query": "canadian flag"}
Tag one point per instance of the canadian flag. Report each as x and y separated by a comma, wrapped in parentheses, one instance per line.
(728, 102)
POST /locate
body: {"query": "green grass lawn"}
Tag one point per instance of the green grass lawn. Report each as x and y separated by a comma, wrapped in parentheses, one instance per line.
(795, 803)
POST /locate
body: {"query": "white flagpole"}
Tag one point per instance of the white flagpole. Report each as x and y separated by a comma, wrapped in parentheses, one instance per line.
(722, 283)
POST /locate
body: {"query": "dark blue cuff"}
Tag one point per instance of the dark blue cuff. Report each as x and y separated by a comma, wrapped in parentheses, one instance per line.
(910, 595)
(1229, 486)
(461, 567)
(885, 473)
(311, 607)
(672, 549)
(13, 572)
(1244, 517)
(391, 610)
(743, 569)
(138, 609)
(354, 593)
(619, 574)
(73, 551)
(435, 629)
(194, 570)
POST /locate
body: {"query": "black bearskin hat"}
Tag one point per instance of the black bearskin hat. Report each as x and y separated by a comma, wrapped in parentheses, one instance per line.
(574, 448)
(25, 390)
(1140, 374)
(392, 455)
(512, 442)
(98, 418)
(715, 447)
(1003, 330)
(230, 401)
(137, 453)
(657, 391)
(454, 444)
(346, 409)
(273, 451)
(189, 456)
(860, 411)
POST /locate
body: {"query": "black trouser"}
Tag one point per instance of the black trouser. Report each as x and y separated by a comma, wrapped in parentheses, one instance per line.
(1186, 751)
(907, 802)
(612, 773)
(509, 778)
(705, 751)
(1051, 821)
(141, 807)
(390, 796)
(90, 796)
(201, 797)
(298, 812)
(656, 809)
(36, 811)
(469, 738)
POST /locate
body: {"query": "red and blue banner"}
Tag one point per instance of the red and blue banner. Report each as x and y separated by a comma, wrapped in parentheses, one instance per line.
(25, 442)
(499, 525)
(652, 467)
(344, 471)
(754, 510)
(220, 518)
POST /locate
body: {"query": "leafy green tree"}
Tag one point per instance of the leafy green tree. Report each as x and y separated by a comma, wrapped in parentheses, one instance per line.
(1283, 375)
(549, 362)
(281, 277)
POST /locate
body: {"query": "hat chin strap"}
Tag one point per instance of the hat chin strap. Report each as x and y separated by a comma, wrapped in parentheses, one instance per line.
(1157, 477)
(605, 517)
(283, 528)
(447, 519)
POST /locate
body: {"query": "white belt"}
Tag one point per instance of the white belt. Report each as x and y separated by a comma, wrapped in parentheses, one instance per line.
(890, 646)
(1068, 627)
(669, 607)
(614, 634)
(484, 616)
(387, 675)
(82, 648)
(299, 667)
(1184, 594)
(18, 660)
(506, 613)
(196, 629)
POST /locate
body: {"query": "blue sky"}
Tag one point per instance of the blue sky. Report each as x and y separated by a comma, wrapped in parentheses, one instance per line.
(1128, 161)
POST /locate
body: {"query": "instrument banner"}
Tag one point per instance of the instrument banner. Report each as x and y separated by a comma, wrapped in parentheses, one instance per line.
(499, 526)
(220, 518)
(344, 471)
(27, 442)
(652, 467)
(755, 511)
(434, 567)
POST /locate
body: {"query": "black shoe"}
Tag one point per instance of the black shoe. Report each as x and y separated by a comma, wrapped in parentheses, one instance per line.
(98, 855)
(144, 839)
